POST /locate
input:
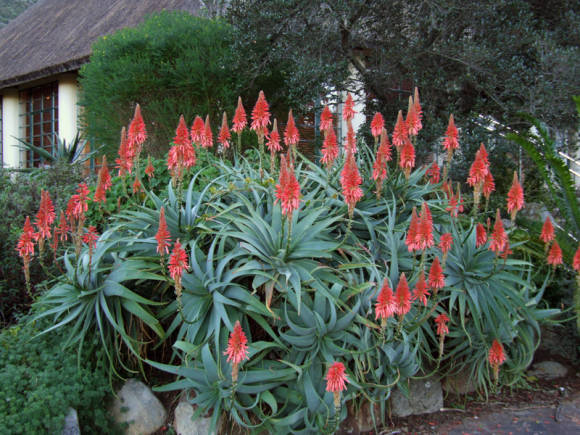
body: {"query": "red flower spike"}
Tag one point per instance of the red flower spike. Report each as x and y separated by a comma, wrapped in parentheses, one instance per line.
(182, 133)
(421, 292)
(441, 321)
(350, 181)
(260, 114)
(178, 262)
(25, 246)
(496, 355)
(515, 198)
(400, 133)
(480, 235)
(410, 241)
(137, 132)
(62, 230)
(330, 149)
(436, 277)
(576, 261)
(348, 111)
(336, 378)
(350, 146)
(150, 169)
(450, 142)
(385, 306)
(291, 134)
(45, 216)
(418, 109)
(207, 138)
(402, 296)
(445, 242)
(162, 236)
(555, 254)
(225, 135)
(273, 143)
(239, 121)
(424, 235)
(91, 237)
(197, 131)
(106, 176)
(100, 195)
(377, 125)
(434, 173)
(124, 162)
(547, 231)
(325, 119)
(407, 161)
(412, 121)
(488, 185)
(499, 238)
(137, 186)
(287, 189)
(478, 171)
(237, 350)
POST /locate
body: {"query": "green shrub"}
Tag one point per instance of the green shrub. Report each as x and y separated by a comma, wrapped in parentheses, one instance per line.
(40, 381)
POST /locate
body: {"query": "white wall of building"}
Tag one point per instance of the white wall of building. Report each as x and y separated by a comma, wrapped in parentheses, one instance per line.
(12, 154)
(67, 107)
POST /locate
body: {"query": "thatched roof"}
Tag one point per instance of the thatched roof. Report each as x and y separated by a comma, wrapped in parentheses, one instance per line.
(55, 36)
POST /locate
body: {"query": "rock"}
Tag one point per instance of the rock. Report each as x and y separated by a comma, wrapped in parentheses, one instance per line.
(425, 396)
(71, 423)
(136, 405)
(535, 211)
(548, 370)
(459, 383)
(183, 423)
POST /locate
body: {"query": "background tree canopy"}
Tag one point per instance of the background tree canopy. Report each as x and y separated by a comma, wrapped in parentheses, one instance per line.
(10, 9)
(491, 57)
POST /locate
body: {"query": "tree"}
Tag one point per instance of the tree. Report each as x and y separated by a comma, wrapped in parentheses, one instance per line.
(10, 9)
(494, 58)
(172, 64)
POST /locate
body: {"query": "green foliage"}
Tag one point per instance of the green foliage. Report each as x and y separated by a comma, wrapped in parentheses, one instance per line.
(40, 381)
(10, 9)
(62, 153)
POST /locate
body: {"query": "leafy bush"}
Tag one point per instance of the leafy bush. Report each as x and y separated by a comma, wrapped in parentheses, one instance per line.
(40, 381)
(303, 287)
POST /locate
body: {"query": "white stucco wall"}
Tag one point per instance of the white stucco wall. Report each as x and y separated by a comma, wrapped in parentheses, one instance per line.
(10, 131)
(67, 107)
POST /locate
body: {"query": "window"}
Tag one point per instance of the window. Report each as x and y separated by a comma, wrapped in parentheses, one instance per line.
(39, 122)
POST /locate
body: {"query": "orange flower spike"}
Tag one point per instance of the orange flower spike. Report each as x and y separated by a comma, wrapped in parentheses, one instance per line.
(182, 133)
(515, 198)
(25, 246)
(273, 143)
(377, 125)
(106, 176)
(350, 146)
(45, 217)
(445, 242)
(418, 109)
(137, 131)
(237, 350)
(123, 162)
(287, 189)
(239, 122)
(424, 237)
(496, 358)
(150, 169)
(555, 255)
(410, 241)
(260, 114)
(450, 142)
(91, 237)
(480, 235)
(162, 236)
(441, 321)
(436, 277)
(137, 186)
(407, 161)
(225, 135)
(325, 120)
(350, 181)
(576, 261)
(207, 138)
(100, 195)
(62, 229)
(499, 238)
(412, 121)
(402, 296)
(336, 381)
(400, 132)
(329, 149)
(547, 231)
(291, 134)
(488, 185)
(385, 306)
(348, 111)
(421, 291)
(197, 131)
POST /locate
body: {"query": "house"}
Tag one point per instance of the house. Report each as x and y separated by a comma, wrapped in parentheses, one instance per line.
(41, 52)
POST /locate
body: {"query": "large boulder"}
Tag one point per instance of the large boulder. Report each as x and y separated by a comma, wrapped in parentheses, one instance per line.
(184, 424)
(137, 406)
(460, 383)
(425, 396)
